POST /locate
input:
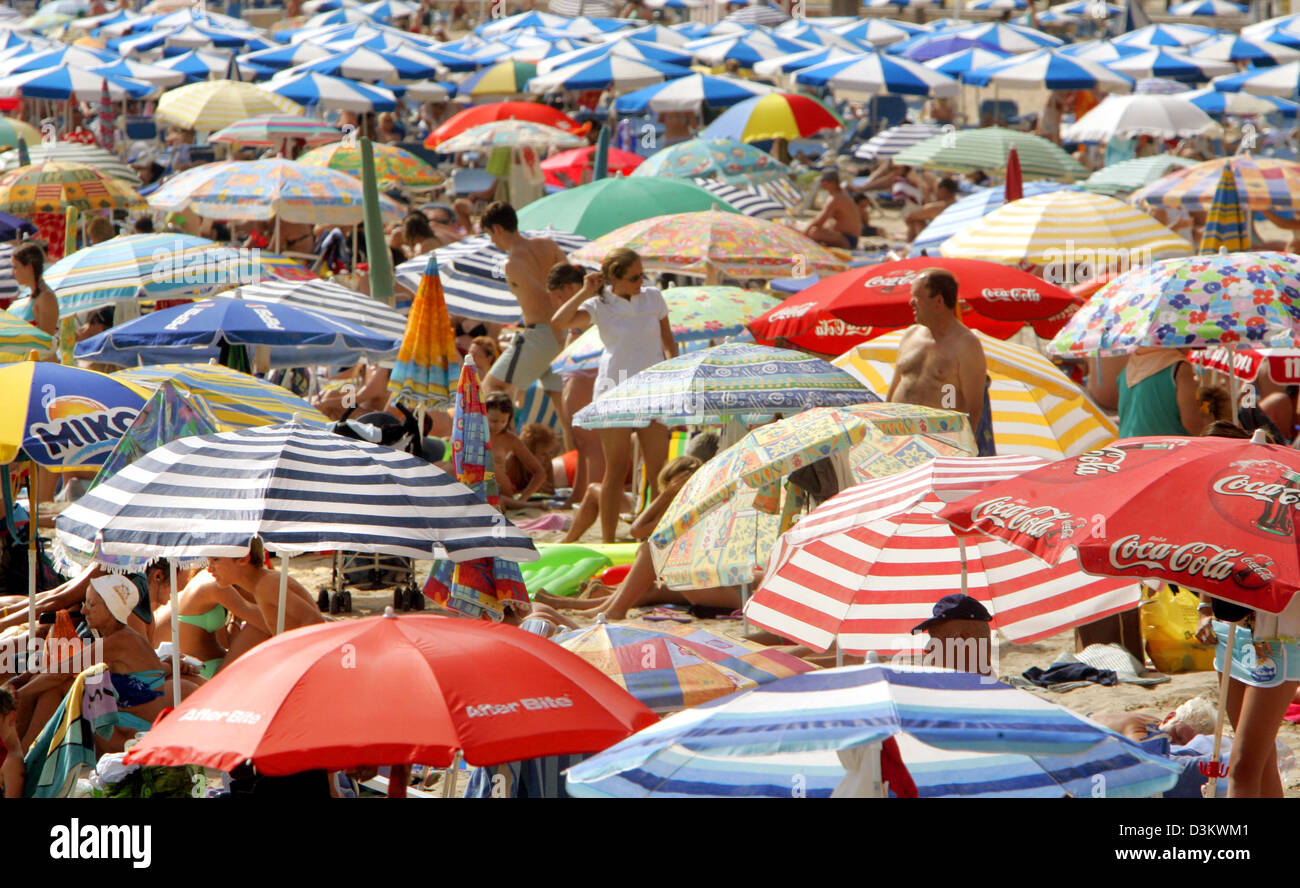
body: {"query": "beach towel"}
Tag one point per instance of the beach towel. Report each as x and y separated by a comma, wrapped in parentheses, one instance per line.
(65, 750)
(1073, 674)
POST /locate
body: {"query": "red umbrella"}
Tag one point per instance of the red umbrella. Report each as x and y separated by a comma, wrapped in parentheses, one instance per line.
(395, 690)
(1283, 363)
(1214, 515)
(1015, 185)
(480, 114)
(574, 167)
(803, 321)
(993, 298)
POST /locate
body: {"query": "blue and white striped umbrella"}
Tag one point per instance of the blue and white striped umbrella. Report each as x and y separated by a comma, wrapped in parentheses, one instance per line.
(969, 210)
(628, 49)
(154, 74)
(992, 35)
(387, 10)
(1283, 36)
(474, 278)
(958, 64)
(800, 60)
(313, 88)
(906, 4)
(608, 72)
(960, 734)
(690, 94)
(327, 298)
(820, 35)
(895, 139)
(1050, 69)
(745, 49)
(280, 57)
(1207, 8)
(67, 82)
(661, 35)
(1087, 8)
(752, 201)
(997, 5)
(878, 32)
(764, 14)
(874, 73)
(198, 66)
(532, 19)
(1240, 104)
(1280, 81)
(72, 56)
(1235, 48)
(344, 16)
(1099, 50)
(370, 65)
(1170, 64)
(299, 488)
(1166, 35)
(1159, 86)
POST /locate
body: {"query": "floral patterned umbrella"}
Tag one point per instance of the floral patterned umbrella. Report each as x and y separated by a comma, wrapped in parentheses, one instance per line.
(733, 162)
(1263, 183)
(52, 187)
(708, 242)
(393, 166)
(1229, 299)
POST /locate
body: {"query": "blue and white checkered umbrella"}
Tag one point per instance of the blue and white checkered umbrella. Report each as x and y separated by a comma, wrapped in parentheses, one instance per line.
(297, 487)
(1166, 35)
(1278, 81)
(1050, 69)
(969, 210)
(1207, 8)
(690, 94)
(1170, 64)
(874, 73)
(1235, 48)
(1240, 104)
(957, 64)
(960, 734)
(895, 139)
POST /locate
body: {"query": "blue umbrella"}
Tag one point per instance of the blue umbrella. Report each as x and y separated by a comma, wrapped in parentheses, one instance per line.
(632, 49)
(1170, 65)
(77, 56)
(967, 211)
(1166, 35)
(195, 65)
(1050, 69)
(604, 72)
(1235, 48)
(1208, 8)
(203, 330)
(688, 93)
(67, 82)
(982, 737)
(875, 72)
(340, 65)
(12, 228)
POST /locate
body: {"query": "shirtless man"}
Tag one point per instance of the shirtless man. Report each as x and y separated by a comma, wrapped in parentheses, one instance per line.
(941, 362)
(945, 196)
(840, 210)
(528, 260)
(262, 586)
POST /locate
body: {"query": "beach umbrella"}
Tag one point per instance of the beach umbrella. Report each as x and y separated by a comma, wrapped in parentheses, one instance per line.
(1270, 32)
(1099, 229)
(217, 104)
(760, 201)
(574, 167)
(509, 134)
(530, 19)
(1226, 225)
(1264, 183)
(1212, 8)
(755, 742)
(1036, 410)
(609, 72)
(387, 10)
(11, 130)
(437, 667)
(422, 376)
(958, 64)
(731, 161)
(1124, 117)
(692, 93)
(57, 56)
(598, 208)
(969, 210)
(51, 187)
(1234, 299)
(289, 337)
(236, 400)
(1279, 81)
(1099, 50)
(274, 130)
(1130, 175)
(18, 339)
(889, 142)
(874, 73)
(278, 58)
(668, 672)
(478, 115)
(796, 61)
(485, 586)
(505, 78)
(720, 383)
(419, 90)
(66, 83)
(473, 275)
(639, 50)
(1049, 69)
(711, 243)
(743, 49)
(12, 228)
(367, 64)
(1236, 48)
(198, 67)
(1171, 65)
(1167, 35)
(314, 89)
(104, 160)
(393, 165)
(327, 298)
(1240, 104)
(987, 148)
(786, 116)
(145, 73)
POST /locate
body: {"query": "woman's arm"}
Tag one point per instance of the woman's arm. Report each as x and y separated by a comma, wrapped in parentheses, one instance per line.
(666, 337)
(243, 609)
(569, 314)
(1189, 409)
(648, 520)
(531, 464)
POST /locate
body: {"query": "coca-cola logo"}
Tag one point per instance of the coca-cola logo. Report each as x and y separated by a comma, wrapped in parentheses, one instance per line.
(836, 327)
(1038, 522)
(787, 312)
(1264, 491)
(1015, 294)
(1093, 462)
(892, 280)
(1157, 554)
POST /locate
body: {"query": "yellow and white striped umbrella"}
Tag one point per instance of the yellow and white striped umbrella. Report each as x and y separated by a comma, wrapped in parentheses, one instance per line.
(217, 104)
(1064, 229)
(18, 339)
(1037, 410)
(238, 401)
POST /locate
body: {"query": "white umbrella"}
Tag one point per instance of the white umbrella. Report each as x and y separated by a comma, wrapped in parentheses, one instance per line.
(1123, 117)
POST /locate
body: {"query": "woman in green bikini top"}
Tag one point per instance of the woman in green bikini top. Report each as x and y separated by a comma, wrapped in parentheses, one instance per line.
(205, 607)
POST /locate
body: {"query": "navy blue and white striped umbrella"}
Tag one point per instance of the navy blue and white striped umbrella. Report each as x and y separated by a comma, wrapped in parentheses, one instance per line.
(957, 64)
(1280, 81)
(311, 88)
(297, 487)
(609, 71)
(878, 32)
(751, 201)
(371, 65)
(628, 49)
(1216, 103)
(967, 212)
(1050, 69)
(474, 278)
(758, 14)
(895, 139)
(280, 57)
(1166, 35)
(797, 61)
(960, 734)
(328, 298)
(690, 94)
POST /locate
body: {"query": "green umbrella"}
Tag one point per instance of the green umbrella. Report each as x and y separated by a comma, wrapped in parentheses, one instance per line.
(1130, 175)
(381, 262)
(986, 149)
(596, 209)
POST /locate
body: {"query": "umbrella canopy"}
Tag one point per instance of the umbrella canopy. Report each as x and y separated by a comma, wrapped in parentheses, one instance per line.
(720, 383)
(1130, 175)
(874, 73)
(1236, 48)
(598, 208)
(1172, 65)
(509, 134)
(733, 162)
(18, 338)
(669, 673)
(1124, 117)
(428, 356)
(314, 89)
(365, 64)
(744, 49)
(217, 104)
(889, 142)
(63, 417)
(71, 152)
(987, 148)
(969, 210)
(958, 64)
(569, 168)
(705, 243)
(393, 165)
(236, 400)
(1263, 183)
(1050, 69)
(276, 129)
(129, 68)
(327, 298)
(54, 186)
(67, 82)
(12, 130)
(1050, 749)
(1207, 8)
(693, 93)
(1034, 229)
(1036, 410)
(1241, 104)
(761, 201)
(201, 330)
(273, 482)
(786, 116)
(198, 67)
(532, 112)
(614, 72)
(797, 61)
(505, 78)
(1168, 35)
(1226, 225)
(1233, 299)
(424, 691)
(631, 48)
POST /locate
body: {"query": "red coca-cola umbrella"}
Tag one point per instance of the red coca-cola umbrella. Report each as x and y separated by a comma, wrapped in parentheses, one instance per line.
(1283, 363)
(1216, 515)
(996, 299)
(533, 112)
(803, 322)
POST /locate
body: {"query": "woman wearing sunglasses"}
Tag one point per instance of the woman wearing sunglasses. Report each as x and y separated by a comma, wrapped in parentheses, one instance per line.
(633, 323)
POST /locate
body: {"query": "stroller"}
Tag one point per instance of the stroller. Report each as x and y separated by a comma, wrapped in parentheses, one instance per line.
(374, 571)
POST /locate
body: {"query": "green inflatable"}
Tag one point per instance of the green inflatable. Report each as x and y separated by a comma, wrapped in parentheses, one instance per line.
(563, 568)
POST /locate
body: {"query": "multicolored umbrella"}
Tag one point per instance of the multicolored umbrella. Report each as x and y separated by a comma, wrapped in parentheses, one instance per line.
(1226, 225)
(509, 134)
(63, 417)
(533, 112)
(72, 152)
(485, 586)
(170, 413)
(18, 338)
(773, 116)
(707, 243)
(987, 148)
(506, 78)
(217, 104)
(1130, 175)
(1263, 183)
(393, 166)
(726, 159)
(1229, 299)
(52, 187)
(276, 129)
(422, 375)
(720, 383)
(598, 208)
(236, 400)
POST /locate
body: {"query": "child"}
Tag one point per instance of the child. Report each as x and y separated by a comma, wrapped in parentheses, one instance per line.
(505, 444)
(540, 441)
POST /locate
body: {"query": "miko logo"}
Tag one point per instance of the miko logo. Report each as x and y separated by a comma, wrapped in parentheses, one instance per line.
(77, 428)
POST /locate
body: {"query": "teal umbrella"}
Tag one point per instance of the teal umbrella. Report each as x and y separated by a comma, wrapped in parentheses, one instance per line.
(597, 208)
(733, 162)
(1130, 175)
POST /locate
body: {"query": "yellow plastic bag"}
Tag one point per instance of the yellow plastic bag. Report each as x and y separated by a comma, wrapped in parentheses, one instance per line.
(1169, 623)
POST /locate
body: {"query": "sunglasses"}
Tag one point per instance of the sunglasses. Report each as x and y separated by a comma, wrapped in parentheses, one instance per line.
(636, 278)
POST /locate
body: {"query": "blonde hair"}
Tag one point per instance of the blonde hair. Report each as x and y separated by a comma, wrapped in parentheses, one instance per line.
(618, 261)
(686, 464)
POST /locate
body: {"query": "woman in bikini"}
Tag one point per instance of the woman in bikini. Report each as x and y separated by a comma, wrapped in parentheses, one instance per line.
(206, 633)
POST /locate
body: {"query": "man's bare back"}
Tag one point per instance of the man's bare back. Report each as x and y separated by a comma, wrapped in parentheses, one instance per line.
(848, 219)
(930, 372)
(527, 265)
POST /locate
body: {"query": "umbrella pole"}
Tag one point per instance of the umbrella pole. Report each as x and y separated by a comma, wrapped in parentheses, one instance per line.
(1211, 787)
(449, 779)
(961, 545)
(277, 232)
(176, 636)
(744, 619)
(284, 593)
(33, 557)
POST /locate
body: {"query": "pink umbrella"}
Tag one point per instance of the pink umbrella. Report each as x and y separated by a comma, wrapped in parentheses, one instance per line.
(571, 167)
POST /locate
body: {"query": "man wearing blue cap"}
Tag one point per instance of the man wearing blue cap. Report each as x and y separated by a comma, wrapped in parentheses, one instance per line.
(960, 635)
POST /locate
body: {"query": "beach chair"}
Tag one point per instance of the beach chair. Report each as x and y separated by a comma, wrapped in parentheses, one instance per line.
(141, 129)
(1004, 111)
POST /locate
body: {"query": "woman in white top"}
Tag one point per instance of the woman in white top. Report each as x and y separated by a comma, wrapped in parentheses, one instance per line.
(633, 324)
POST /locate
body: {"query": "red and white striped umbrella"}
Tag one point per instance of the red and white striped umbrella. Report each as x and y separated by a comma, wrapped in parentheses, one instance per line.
(869, 564)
